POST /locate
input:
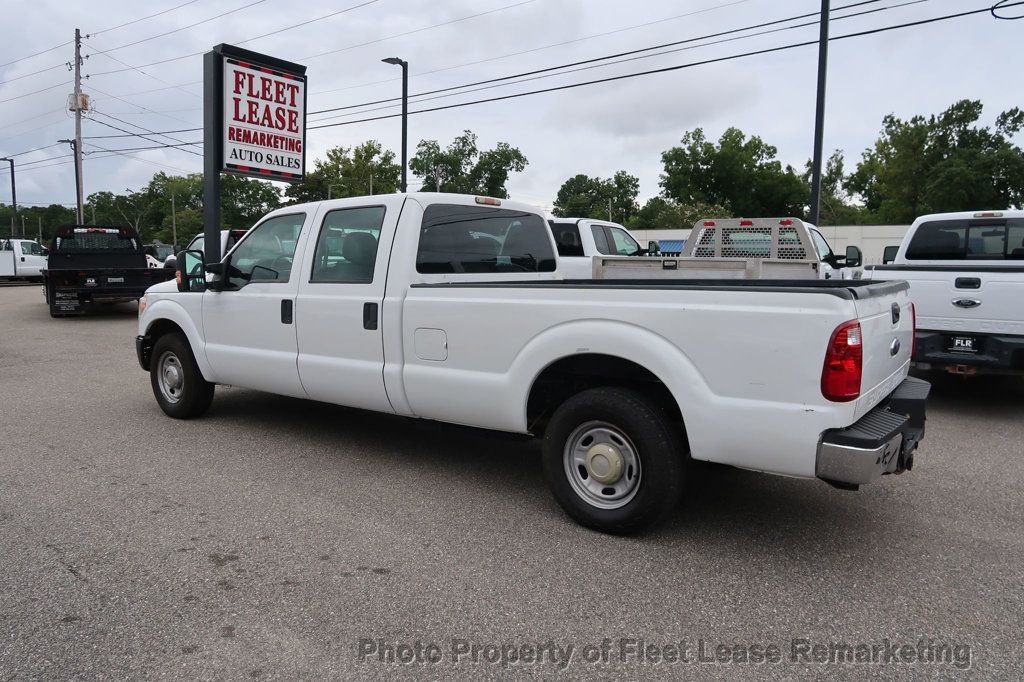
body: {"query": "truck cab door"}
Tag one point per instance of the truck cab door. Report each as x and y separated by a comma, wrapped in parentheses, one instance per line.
(249, 326)
(31, 260)
(825, 257)
(341, 292)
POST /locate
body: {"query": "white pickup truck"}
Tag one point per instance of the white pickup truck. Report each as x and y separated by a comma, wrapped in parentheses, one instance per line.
(966, 274)
(579, 240)
(21, 259)
(453, 308)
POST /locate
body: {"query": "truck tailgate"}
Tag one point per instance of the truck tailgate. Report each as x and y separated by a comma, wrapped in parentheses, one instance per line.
(985, 300)
(887, 328)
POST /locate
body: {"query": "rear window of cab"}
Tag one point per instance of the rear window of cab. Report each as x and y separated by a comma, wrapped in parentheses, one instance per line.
(968, 240)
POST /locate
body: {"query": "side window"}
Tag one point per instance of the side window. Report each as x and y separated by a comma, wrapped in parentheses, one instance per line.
(624, 244)
(820, 245)
(266, 253)
(198, 244)
(600, 241)
(346, 249)
(567, 239)
(26, 248)
(481, 239)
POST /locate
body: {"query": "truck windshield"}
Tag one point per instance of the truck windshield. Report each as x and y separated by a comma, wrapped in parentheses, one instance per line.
(968, 240)
(96, 239)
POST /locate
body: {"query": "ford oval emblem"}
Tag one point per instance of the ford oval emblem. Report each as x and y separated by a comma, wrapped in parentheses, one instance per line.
(966, 302)
(894, 347)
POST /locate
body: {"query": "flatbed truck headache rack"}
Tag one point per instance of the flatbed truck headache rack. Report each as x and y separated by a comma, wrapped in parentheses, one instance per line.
(90, 264)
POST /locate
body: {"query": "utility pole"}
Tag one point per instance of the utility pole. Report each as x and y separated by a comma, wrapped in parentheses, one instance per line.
(93, 213)
(371, 184)
(174, 225)
(40, 219)
(609, 209)
(819, 114)
(77, 102)
(14, 194)
(22, 224)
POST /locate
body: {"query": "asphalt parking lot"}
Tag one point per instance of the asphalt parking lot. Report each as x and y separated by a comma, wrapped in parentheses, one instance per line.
(278, 538)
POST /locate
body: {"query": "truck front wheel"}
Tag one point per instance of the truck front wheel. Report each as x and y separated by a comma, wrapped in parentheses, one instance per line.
(614, 459)
(179, 387)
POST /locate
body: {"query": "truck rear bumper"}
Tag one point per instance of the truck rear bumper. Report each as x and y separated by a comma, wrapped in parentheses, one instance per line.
(986, 352)
(881, 442)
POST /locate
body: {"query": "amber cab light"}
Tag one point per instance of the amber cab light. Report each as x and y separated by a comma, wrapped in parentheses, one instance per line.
(844, 364)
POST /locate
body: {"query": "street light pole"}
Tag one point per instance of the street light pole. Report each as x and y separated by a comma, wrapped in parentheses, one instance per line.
(14, 194)
(405, 113)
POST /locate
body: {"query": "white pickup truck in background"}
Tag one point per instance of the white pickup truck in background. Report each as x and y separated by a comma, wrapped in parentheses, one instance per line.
(966, 274)
(21, 259)
(579, 240)
(454, 308)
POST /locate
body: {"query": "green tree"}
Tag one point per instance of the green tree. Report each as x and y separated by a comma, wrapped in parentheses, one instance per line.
(738, 172)
(659, 213)
(464, 169)
(582, 196)
(942, 163)
(356, 171)
(836, 207)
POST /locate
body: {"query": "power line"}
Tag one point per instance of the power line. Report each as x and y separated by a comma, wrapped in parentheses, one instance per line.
(677, 67)
(136, 125)
(139, 106)
(622, 54)
(425, 28)
(144, 137)
(136, 158)
(34, 150)
(176, 30)
(159, 146)
(420, 30)
(35, 92)
(135, 21)
(69, 42)
(107, 54)
(34, 73)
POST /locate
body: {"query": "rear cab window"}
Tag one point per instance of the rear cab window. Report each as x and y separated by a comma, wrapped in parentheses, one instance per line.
(984, 239)
(459, 239)
(93, 239)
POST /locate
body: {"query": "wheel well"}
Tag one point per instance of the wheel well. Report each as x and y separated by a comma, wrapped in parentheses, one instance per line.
(565, 378)
(159, 328)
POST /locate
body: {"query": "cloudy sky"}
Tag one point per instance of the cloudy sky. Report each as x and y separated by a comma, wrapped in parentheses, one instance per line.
(596, 129)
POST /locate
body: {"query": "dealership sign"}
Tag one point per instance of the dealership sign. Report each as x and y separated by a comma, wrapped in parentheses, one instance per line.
(262, 115)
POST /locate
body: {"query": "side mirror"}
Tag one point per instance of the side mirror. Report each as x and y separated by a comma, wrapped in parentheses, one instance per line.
(889, 254)
(653, 248)
(853, 257)
(189, 271)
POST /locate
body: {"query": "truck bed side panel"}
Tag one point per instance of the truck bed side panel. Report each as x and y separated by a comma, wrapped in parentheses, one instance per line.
(745, 366)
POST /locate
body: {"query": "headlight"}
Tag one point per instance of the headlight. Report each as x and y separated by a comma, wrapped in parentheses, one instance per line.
(142, 305)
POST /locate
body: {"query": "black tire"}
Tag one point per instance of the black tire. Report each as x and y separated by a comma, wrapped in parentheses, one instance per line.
(653, 437)
(193, 394)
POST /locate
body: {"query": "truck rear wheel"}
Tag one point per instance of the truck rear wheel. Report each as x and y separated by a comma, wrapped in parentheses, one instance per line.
(614, 459)
(179, 387)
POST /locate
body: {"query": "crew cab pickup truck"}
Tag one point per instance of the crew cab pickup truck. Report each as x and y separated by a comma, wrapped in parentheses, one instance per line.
(453, 308)
(89, 264)
(21, 259)
(579, 240)
(966, 275)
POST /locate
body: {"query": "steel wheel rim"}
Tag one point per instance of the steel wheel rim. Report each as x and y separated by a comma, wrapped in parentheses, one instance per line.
(170, 377)
(595, 453)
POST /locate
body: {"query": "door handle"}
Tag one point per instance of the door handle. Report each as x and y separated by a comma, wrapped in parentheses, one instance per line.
(286, 311)
(967, 283)
(369, 316)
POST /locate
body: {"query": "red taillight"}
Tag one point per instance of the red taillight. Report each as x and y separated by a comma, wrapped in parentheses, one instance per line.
(913, 331)
(709, 223)
(785, 221)
(844, 362)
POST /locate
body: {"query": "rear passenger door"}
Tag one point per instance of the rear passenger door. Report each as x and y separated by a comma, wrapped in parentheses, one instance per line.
(341, 348)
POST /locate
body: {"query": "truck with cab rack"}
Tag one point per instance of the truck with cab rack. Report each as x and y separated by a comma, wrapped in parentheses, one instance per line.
(454, 308)
(966, 275)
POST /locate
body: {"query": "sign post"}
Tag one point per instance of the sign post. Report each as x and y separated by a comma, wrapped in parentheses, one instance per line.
(254, 124)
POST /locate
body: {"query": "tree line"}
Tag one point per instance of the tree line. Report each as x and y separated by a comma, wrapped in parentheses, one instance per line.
(943, 162)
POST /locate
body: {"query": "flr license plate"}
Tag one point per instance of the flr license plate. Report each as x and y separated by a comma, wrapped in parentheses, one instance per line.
(964, 344)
